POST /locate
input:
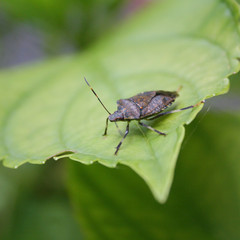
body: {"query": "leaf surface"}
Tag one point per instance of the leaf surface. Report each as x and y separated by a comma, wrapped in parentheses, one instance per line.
(48, 111)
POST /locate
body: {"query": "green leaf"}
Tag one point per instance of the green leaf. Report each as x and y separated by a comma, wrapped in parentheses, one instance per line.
(48, 111)
(35, 196)
(49, 218)
(204, 202)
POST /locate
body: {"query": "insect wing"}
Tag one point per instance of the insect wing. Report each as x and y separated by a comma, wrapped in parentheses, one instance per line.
(161, 101)
(143, 99)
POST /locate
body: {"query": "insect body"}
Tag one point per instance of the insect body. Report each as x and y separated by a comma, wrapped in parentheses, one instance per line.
(146, 105)
(143, 105)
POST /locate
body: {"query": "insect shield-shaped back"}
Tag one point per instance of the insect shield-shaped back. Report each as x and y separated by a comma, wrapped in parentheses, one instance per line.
(142, 105)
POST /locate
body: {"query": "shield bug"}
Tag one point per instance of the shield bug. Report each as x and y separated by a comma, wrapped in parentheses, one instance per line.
(146, 105)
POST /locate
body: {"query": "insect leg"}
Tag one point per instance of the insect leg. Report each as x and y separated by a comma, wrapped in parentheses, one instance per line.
(119, 145)
(106, 127)
(153, 129)
(120, 132)
(174, 111)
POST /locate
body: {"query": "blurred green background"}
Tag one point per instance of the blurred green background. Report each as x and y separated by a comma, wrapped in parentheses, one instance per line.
(66, 200)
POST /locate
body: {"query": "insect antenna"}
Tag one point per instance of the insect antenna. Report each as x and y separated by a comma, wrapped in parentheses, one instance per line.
(105, 132)
(96, 95)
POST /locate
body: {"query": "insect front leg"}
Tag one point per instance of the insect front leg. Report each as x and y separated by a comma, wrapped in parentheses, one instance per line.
(153, 129)
(106, 127)
(119, 145)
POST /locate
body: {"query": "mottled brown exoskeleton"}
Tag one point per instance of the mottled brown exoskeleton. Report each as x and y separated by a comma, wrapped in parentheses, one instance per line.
(146, 105)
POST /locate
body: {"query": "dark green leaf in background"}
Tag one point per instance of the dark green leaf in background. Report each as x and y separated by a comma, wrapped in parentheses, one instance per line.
(34, 205)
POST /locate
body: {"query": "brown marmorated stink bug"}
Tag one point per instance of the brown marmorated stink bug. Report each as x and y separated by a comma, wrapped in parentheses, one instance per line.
(146, 105)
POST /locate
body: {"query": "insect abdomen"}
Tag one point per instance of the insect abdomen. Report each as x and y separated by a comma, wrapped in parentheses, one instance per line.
(157, 104)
